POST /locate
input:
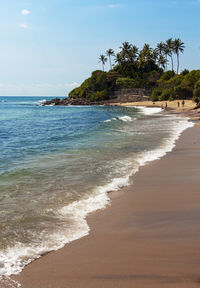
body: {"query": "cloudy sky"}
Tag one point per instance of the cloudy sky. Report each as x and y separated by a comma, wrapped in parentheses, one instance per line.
(48, 47)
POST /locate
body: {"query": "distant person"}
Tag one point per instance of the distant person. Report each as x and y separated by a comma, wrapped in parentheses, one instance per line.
(178, 103)
(166, 105)
(162, 106)
(183, 103)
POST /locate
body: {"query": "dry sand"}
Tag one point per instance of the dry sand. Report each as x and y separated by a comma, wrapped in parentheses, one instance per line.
(148, 237)
(189, 104)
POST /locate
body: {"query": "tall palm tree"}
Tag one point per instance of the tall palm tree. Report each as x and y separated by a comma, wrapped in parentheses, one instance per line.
(109, 53)
(178, 47)
(103, 60)
(170, 45)
(166, 52)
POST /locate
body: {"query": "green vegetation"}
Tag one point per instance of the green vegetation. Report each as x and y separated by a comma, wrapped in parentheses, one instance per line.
(145, 68)
(183, 86)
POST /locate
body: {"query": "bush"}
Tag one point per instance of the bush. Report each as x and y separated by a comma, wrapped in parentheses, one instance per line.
(99, 96)
(184, 72)
(124, 83)
(166, 94)
(196, 93)
(191, 78)
(166, 76)
(174, 81)
(183, 92)
(156, 93)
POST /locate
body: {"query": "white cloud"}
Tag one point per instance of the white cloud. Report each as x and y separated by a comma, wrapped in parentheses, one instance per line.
(25, 12)
(23, 25)
(71, 85)
(112, 6)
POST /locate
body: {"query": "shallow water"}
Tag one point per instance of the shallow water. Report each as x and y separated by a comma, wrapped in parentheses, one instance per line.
(58, 163)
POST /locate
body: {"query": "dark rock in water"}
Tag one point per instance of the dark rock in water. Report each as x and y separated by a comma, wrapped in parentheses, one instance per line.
(122, 96)
(56, 101)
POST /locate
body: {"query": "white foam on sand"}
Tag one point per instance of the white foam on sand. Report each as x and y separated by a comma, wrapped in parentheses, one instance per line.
(149, 110)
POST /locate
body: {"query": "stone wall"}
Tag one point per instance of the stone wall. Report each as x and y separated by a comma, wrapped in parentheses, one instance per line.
(130, 95)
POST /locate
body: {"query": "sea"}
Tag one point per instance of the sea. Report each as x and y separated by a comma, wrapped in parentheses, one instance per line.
(58, 164)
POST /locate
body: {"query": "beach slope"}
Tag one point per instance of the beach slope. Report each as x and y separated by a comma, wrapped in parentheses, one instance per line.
(149, 237)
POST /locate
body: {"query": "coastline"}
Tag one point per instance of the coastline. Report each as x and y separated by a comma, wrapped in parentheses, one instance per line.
(103, 236)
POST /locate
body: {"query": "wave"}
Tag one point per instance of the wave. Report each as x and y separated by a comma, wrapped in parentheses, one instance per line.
(122, 118)
(14, 259)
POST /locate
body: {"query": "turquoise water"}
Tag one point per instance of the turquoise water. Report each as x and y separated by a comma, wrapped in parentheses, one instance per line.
(58, 163)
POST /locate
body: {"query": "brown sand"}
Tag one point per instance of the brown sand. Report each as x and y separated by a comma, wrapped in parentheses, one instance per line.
(189, 104)
(148, 237)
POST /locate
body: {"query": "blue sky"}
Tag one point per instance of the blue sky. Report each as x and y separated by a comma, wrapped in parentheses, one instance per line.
(49, 47)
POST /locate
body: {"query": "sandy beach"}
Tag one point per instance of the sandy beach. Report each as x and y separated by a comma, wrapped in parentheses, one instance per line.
(188, 104)
(148, 236)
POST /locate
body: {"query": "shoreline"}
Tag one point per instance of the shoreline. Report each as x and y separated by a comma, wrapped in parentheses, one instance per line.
(46, 264)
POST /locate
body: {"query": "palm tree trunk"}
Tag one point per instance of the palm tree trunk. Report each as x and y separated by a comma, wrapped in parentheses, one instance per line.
(172, 63)
(103, 66)
(110, 63)
(177, 63)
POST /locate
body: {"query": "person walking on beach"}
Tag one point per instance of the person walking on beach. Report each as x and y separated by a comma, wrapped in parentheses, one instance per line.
(183, 103)
(178, 104)
(162, 106)
(166, 105)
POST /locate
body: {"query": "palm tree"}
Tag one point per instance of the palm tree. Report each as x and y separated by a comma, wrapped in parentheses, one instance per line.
(162, 61)
(119, 58)
(110, 53)
(125, 50)
(166, 52)
(126, 46)
(160, 48)
(133, 53)
(178, 47)
(170, 45)
(103, 60)
(146, 57)
(155, 55)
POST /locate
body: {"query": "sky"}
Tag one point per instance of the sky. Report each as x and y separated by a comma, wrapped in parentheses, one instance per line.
(49, 47)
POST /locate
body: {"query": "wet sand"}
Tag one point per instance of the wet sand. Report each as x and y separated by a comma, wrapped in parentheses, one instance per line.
(148, 237)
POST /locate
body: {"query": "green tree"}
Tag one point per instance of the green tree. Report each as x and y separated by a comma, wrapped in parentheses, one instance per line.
(170, 45)
(103, 60)
(178, 48)
(109, 53)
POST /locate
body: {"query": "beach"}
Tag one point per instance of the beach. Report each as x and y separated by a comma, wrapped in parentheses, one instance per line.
(172, 105)
(148, 236)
